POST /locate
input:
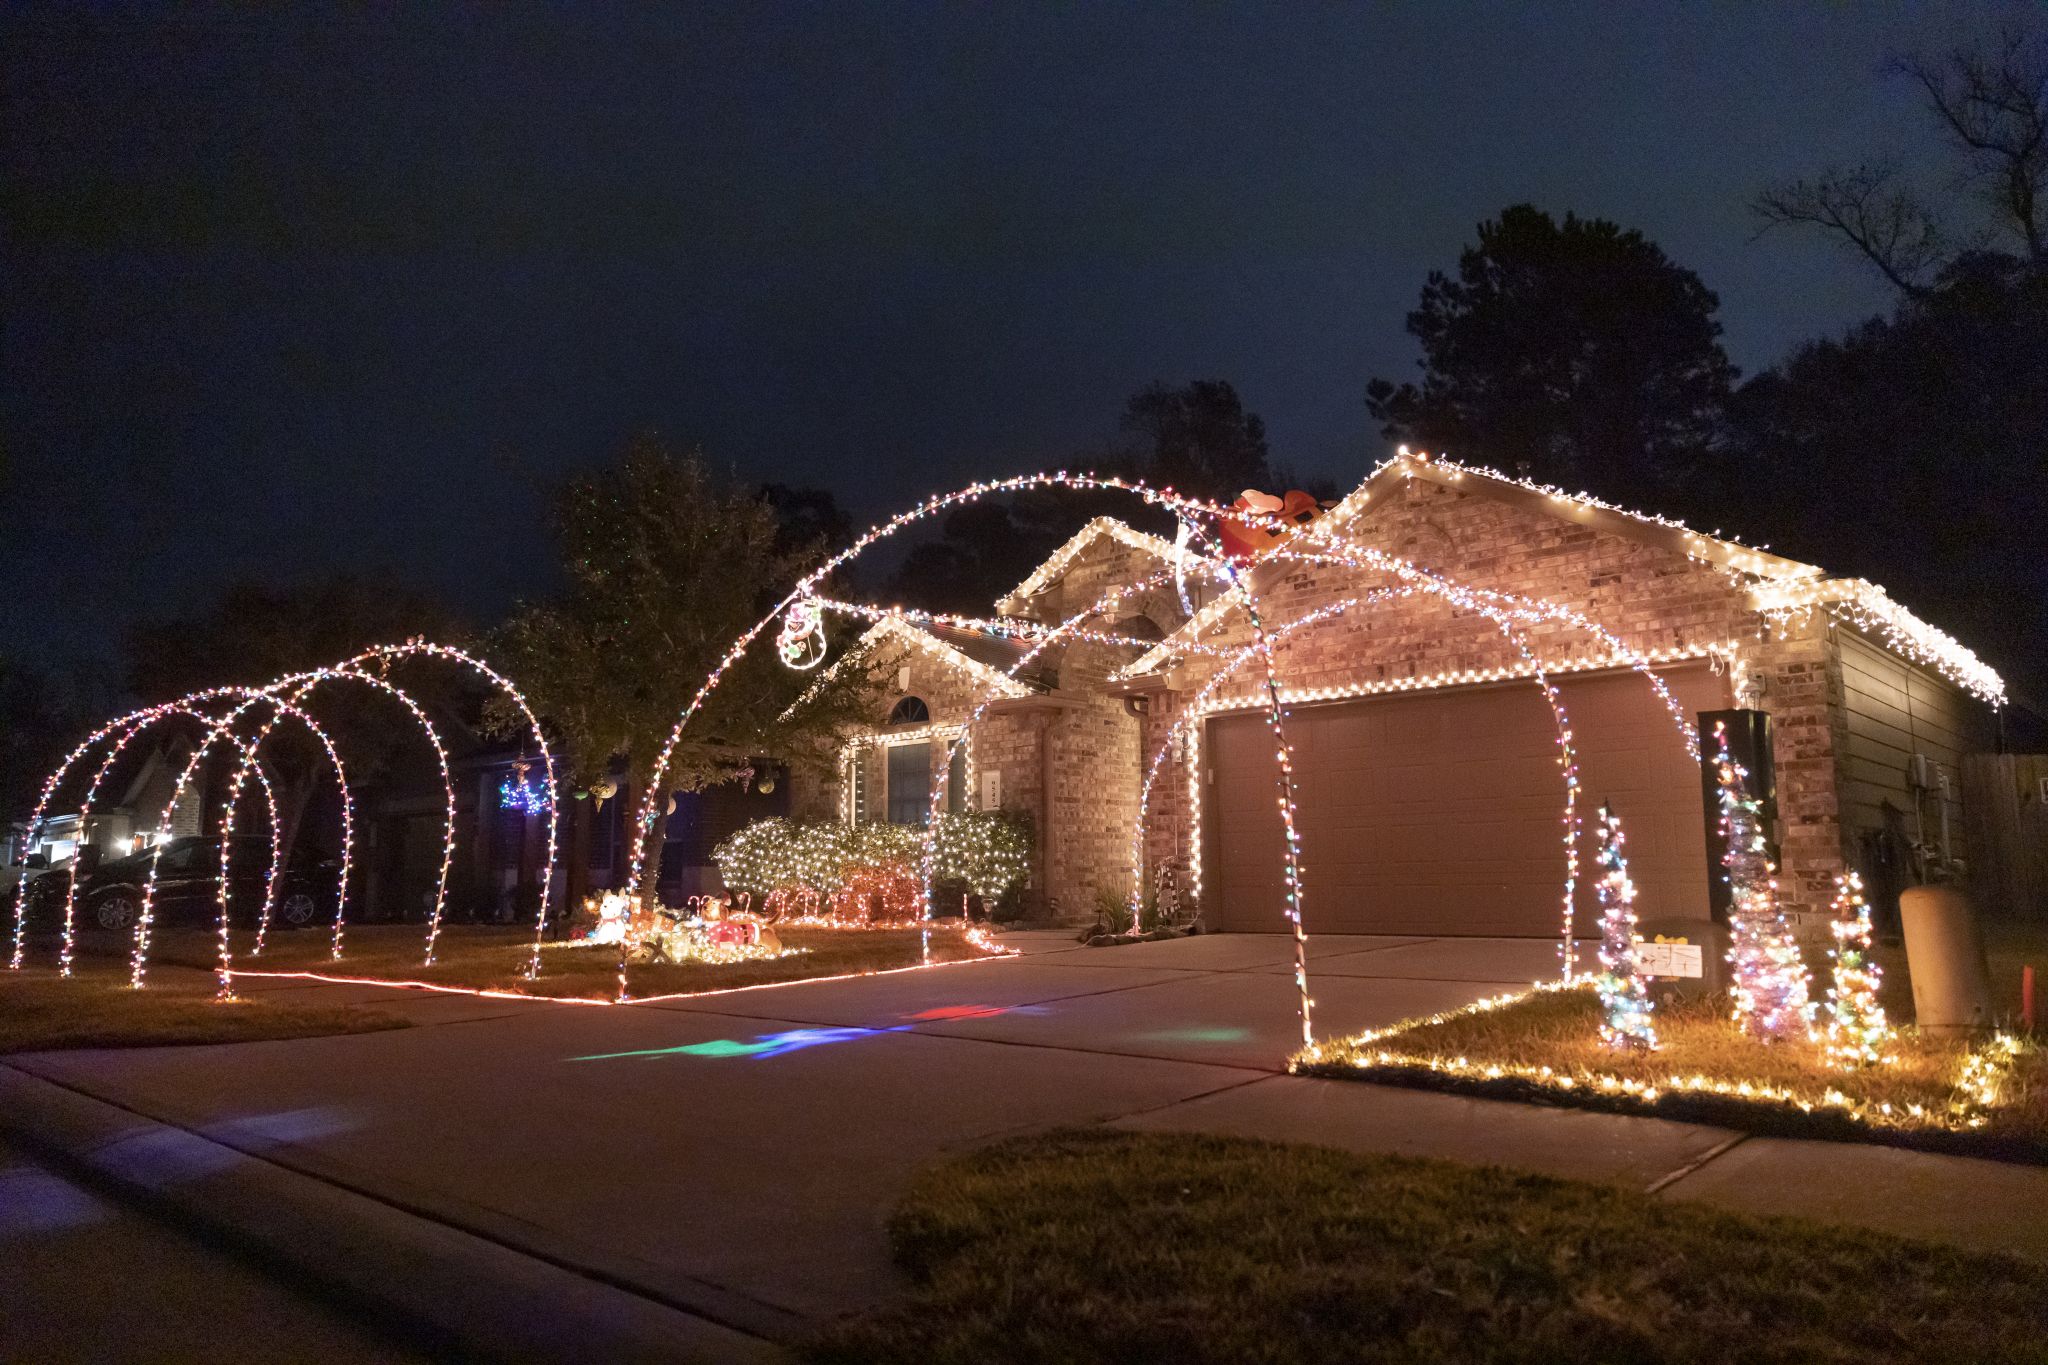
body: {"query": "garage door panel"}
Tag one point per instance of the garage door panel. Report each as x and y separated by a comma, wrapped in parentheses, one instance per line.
(1441, 812)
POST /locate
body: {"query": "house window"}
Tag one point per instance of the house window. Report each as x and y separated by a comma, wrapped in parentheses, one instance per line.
(956, 778)
(910, 783)
(910, 711)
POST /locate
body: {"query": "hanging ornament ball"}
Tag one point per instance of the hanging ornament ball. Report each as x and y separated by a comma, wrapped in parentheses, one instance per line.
(802, 640)
(765, 785)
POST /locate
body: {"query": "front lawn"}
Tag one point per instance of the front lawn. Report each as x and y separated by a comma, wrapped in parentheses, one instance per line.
(97, 1008)
(1545, 1048)
(1095, 1245)
(1554, 1034)
(492, 958)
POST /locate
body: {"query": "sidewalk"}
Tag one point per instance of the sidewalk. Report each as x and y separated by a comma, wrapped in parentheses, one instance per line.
(731, 1161)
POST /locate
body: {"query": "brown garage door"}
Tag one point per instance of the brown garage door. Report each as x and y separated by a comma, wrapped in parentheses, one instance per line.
(1440, 812)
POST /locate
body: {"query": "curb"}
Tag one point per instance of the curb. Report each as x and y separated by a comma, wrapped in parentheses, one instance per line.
(464, 1296)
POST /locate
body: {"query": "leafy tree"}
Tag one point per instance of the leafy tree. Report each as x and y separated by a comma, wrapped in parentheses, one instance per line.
(1575, 352)
(1993, 110)
(667, 564)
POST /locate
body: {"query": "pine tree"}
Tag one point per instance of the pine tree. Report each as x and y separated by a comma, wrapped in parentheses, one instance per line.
(1857, 1029)
(1620, 984)
(1771, 988)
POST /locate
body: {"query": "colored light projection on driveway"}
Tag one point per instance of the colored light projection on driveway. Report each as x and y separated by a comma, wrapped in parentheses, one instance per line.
(797, 1039)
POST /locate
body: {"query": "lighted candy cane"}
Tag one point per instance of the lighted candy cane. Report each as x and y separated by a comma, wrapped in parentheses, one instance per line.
(427, 649)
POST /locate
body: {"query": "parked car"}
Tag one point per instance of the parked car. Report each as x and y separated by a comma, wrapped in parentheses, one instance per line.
(188, 887)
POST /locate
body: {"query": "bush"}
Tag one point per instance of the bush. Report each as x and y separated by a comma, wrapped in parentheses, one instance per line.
(988, 852)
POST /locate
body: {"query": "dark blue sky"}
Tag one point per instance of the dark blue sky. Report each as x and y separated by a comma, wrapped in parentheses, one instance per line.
(294, 291)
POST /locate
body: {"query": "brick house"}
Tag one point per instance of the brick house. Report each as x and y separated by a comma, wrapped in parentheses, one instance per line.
(1430, 792)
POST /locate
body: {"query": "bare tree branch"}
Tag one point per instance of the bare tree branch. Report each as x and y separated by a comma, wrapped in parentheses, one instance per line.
(1996, 109)
(1866, 211)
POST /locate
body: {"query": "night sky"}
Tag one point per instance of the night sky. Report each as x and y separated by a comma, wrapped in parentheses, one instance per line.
(289, 292)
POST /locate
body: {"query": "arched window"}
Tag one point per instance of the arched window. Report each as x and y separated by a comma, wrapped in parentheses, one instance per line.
(910, 711)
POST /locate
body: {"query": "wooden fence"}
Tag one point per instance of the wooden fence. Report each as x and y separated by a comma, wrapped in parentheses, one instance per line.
(2005, 831)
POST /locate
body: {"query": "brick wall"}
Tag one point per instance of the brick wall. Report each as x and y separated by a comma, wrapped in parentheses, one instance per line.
(1652, 598)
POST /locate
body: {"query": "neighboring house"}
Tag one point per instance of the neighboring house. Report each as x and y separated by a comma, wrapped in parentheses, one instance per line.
(1429, 789)
(125, 815)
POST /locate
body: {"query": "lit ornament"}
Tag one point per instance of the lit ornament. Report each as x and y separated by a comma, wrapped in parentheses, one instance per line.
(518, 792)
(802, 641)
(1857, 1030)
(1770, 985)
(1627, 1025)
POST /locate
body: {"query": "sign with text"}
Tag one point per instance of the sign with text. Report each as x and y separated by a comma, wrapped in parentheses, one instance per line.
(1669, 959)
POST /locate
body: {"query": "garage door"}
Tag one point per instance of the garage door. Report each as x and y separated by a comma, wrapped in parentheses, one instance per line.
(1439, 812)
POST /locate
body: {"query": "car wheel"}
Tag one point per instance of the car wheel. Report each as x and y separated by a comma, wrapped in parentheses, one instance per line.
(118, 911)
(297, 910)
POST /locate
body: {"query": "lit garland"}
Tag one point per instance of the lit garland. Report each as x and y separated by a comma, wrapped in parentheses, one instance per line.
(1980, 1084)
(1771, 989)
(1620, 983)
(1857, 1032)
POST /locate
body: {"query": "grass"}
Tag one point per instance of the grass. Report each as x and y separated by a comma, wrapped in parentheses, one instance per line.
(41, 1011)
(493, 958)
(1559, 1030)
(1095, 1245)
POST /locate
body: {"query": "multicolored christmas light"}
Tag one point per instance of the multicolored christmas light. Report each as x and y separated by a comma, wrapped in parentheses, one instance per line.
(1857, 1032)
(1620, 983)
(1773, 994)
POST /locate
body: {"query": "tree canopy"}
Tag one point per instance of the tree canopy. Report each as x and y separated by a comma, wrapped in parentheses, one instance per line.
(667, 563)
(1575, 352)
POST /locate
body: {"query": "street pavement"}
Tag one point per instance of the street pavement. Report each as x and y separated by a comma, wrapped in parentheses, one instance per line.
(89, 1280)
(737, 1155)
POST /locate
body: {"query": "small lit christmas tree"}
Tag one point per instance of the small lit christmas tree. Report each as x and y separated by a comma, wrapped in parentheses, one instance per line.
(1773, 994)
(1857, 1030)
(1620, 984)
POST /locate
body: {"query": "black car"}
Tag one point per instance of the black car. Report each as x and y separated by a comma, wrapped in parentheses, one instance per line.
(188, 888)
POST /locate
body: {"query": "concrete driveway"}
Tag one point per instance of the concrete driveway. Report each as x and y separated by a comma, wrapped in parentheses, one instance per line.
(737, 1154)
